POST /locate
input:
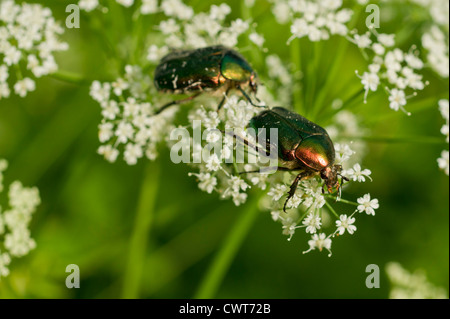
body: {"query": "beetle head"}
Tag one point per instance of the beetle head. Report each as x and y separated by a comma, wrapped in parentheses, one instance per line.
(330, 175)
(253, 82)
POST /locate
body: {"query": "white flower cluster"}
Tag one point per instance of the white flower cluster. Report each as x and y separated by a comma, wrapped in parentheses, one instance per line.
(439, 10)
(436, 42)
(317, 20)
(28, 36)
(310, 199)
(90, 5)
(436, 39)
(147, 6)
(217, 171)
(390, 66)
(443, 161)
(15, 240)
(278, 87)
(406, 285)
(184, 29)
(128, 121)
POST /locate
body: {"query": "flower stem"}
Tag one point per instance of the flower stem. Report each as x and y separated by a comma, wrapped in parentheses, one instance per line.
(399, 139)
(70, 77)
(221, 263)
(296, 59)
(312, 73)
(333, 73)
(331, 209)
(139, 237)
(344, 201)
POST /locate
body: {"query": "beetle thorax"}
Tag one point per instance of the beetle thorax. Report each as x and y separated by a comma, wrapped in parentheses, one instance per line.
(313, 154)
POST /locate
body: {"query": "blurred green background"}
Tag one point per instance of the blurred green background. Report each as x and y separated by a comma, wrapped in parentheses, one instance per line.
(89, 207)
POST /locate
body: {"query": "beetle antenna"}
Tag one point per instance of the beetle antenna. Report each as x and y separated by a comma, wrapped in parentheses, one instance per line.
(248, 97)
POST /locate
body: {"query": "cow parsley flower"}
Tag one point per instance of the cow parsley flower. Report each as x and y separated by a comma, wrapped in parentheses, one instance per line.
(279, 83)
(443, 161)
(88, 5)
(390, 66)
(185, 29)
(436, 39)
(345, 223)
(407, 285)
(319, 241)
(128, 123)
(14, 221)
(312, 223)
(367, 205)
(436, 43)
(29, 37)
(317, 20)
(148, 6)
(356, 174)
(257, 39)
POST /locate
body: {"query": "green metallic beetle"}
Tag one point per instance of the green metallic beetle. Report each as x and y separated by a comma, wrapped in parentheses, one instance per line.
(215, 68)
(302, 146)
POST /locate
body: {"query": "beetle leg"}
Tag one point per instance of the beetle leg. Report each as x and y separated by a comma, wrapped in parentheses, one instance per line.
(177, 102)
(343, 178)
(268, 169)
(248, 97)
(223, 100)
(293, 188)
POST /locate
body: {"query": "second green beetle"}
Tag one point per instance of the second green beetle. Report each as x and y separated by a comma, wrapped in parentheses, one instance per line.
(215, 68)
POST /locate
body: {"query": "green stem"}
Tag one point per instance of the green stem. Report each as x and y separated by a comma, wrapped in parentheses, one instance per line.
(333, 73)
(221, 263)
(313, 70)
(143, 222)
(256, 55)
(354, 100)
(70, 77)
(344, 201)
(296, 60)
(415, 106)
(399, 139)
(331, 209)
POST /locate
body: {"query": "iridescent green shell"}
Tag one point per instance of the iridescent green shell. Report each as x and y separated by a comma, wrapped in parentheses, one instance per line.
(234, 67)
(199, 69)
(300, 142)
